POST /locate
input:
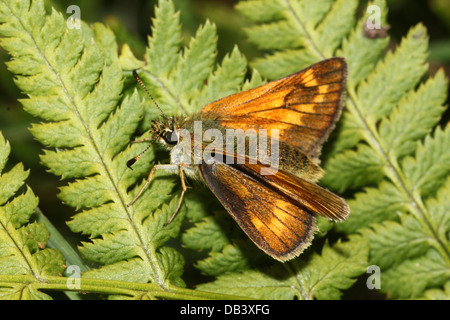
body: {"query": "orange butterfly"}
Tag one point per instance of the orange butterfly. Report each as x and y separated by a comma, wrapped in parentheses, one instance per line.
(277, 208)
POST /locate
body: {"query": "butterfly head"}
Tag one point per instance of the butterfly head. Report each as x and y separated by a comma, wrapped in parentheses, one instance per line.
(164, 130)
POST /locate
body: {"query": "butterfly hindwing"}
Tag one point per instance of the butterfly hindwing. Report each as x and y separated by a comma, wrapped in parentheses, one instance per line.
(308, 194)
(276, 224)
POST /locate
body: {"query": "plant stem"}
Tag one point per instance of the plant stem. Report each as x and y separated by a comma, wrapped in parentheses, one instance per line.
(111, 287)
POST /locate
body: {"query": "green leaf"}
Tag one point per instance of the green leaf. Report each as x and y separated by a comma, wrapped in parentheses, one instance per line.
(307, 30)
(363, 53)
(354, 168)
(87, 133)
(272, 283)
(391, 78)
(399, 141)
(164, 44)
(280, 35)
(326, 275)
(393, 242)
(427, 170)
(437, 294)
(322, 276)
(132, 270)
(229, 259)
(412, 277)
(23, 249)
(194, 65)
(438, 208)
(261, 10)
(335, 26)
(225, 81)
(281, 63)
(210, 228)
(374, 205)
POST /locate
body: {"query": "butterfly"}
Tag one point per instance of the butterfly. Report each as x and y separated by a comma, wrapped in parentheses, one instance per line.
(276, 206)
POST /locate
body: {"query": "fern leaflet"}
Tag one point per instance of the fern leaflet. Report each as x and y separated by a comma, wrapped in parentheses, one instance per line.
(25, 261)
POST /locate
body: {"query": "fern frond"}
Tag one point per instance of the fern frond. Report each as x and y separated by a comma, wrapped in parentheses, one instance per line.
(438, 294)
(407, 116)
(306, 31)
(74, 82)
(25, 262)
(321, 276)
(387, 139)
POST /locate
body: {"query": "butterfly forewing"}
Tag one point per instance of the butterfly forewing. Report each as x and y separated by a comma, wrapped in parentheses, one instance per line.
(303, 106)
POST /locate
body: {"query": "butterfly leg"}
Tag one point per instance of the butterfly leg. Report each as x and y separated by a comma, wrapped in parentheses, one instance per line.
(183, 191)
(167, 167)
(142, 140)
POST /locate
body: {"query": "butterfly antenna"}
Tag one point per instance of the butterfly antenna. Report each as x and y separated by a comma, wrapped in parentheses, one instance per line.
(138, 79)
(134, 159)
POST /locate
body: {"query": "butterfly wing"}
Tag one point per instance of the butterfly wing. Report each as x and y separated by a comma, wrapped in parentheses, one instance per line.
(303, 106)
(276, 223)
(308, 194)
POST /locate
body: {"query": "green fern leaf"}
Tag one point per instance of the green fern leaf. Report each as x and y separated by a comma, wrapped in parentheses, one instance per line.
(373, 206)
(226, 80)
(393, 242)
(307, 30)
(384, 87)
(362, 54)
(412, 277)
(23, 251)
(402, 140)
(335, 26)
(437, 294)
(255, 284)
(407, 250)
(321, 276)
(165, 42)
(74, 84)
(427, 170)
(407, 116)
(208, 228)
(355, 168)
(231, 258)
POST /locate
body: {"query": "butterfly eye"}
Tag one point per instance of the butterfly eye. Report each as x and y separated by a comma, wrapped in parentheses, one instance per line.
(170, 137)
